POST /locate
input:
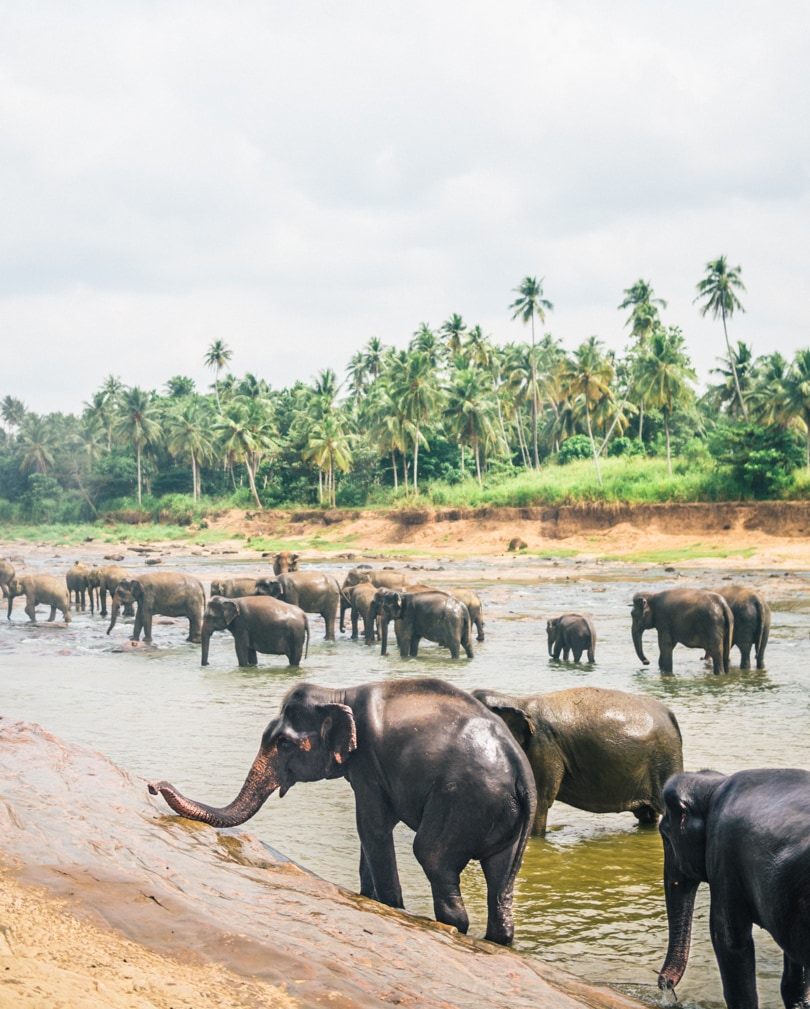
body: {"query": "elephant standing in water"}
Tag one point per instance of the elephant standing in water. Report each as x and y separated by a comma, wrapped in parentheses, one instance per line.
(40, 590)
(6, 575)
(313, 591)
(605, 751)
(571, 632)
(105, 579)
(752, 623)
(284, 562)
(746, 835)
(696, 618)
(168, 592)
(434, 615)
(233, 588)
(379, 578)
(78, 585)
(258, 624)
(420, 751)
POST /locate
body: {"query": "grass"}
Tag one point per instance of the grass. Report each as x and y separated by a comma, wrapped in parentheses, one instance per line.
(695, 551)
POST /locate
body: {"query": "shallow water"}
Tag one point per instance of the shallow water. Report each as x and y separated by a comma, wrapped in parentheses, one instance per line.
(589, 896)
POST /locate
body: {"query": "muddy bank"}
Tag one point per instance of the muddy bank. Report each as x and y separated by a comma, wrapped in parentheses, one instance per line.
(75, 823)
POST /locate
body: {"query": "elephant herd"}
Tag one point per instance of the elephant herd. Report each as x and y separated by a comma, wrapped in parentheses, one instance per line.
(474, 774)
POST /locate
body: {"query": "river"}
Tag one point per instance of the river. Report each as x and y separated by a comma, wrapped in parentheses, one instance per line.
(589, 896)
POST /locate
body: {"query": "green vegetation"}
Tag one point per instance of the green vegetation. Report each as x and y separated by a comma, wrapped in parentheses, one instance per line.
(453, 420)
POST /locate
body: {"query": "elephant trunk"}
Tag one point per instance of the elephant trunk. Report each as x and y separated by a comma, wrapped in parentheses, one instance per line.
(384, 634)
(259, 785)
(637, 645)
(205, 638)
(115, 606)
(680, 894)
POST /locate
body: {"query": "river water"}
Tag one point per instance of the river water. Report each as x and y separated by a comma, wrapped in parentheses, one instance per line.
(589, 896)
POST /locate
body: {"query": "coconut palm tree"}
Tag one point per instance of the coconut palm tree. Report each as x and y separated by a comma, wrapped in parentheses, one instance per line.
(453, 331)
(588, 377)
(664, 376)
(768, 389)
(530, 303)
(13, 410)
(247, 434)
(36, 445)
(137, 421)
(179, 386)
(724, 395)
(329, 446)
(718, 292)
(471, 411)
(795, 400)
(425, 341)
(189, 436)
(216, 357)
(641, 298)
(415, 388)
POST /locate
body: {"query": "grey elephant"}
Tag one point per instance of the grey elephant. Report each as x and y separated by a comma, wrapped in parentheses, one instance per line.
(418, 751)
(752, 623)
(605, 751)
(284, 562)
(258, 624)
(434, 615)
(381, 578)
(313, 591)
(571, 632)
(696, 618)
(78, 586)
(232, 588)
(6, 574)
(40, 590)
(105, 579)
(170, 593)
(744, 834)
(362, 596)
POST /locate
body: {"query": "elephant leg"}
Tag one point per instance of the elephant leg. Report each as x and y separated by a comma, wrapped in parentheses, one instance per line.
(665, 649)
(717, 662)
(645, 814)
(591, 654)
(52, 617)
(253, 659)
(479, 623)
(295, 651)
(566, 652)
(557, 649)
(413, 651)
(445, 882)
(730, 927)
(499, 872)
(146, 620)
(795, 986)
(194, 629)
(540, 818)
(577, 653)
(379, 877)
(31, 610)
(468, 648)
(240, 642)
(355, 631)
(137, 627)
(329, 620)
(455, 649)
(745, 655)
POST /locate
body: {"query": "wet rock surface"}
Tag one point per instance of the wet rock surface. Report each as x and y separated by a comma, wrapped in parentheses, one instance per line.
(76, 823)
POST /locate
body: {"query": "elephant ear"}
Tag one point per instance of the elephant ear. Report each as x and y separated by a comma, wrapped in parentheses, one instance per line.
(230, 610)
(338, 735)
(517, 720)
(136, 589)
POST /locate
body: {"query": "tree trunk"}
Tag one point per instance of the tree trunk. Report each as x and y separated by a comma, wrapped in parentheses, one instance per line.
(593, 444)
(138, 451)
(734, 368)
(394, 468)
(666, 429)
(252, 480)
(416, 460)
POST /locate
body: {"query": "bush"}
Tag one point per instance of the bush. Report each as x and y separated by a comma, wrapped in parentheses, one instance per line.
(760, 461)
(624, 447)
(576, 447)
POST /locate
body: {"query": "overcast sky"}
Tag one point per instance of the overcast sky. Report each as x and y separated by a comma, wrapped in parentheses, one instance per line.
(295, 178)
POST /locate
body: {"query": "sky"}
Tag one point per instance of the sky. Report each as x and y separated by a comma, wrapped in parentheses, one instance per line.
(297, 178)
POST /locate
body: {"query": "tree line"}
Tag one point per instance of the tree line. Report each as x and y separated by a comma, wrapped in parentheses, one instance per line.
(451, 406)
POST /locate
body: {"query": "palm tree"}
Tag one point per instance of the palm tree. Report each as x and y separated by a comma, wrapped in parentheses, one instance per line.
(478, 348)
(589, 376)
(665, 374)
(137, 422)
(453, 330)
(768, 388)
(718, 292)
(36, 444)
(470, 412)
(329, 447)
(189, 436)
(179, 386)
(217, 356)
(425, 341)
(373, 356)
(247, 435)
(530, 303)
(795, 401)
(741, 363)
(13, 410)
(416, 389)
(643, 302)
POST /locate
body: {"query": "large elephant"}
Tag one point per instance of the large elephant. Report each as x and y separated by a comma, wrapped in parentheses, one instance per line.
(380, 578)
(696, 618)
(313, 591)
(420, 751)
(105, 579)
(605, 751)
(752, 623)
(258, 624)
(430, 614)
(284, 562)
(362, 596)
(40, 590)
(6, 574)
(571, 632)
(171, 593)
(745, 835)
(78, 586)
(233, 588)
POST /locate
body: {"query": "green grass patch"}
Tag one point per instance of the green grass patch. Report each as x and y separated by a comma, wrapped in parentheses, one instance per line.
(696, 551)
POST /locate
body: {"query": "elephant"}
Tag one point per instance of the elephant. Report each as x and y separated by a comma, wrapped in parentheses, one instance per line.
(258, 624)
(78, 586)
(40, 590)
(379, 578)
(419, 751)
(696, 618)
(571, 632)
(430, 614)
(361, 597)
(6, 575)
(168, 592)
(605, 751)
(284, 562)
(469, 597)
(752, 623)
(744, 834)
(105, 579)
(313, 591)
(232, 588)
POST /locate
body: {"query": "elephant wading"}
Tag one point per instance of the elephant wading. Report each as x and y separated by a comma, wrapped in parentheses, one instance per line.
(258, 624)
(419, 751)
(752, 623)
(78, 585)
(362, 596)
(40, 590)
(170, 593)
(696, 618)
(313, 591)
(380, 579)
(605, 751)
(284, 562)
(105, 579)
(745, 835)
(571, 632)
(6, 575)
(434, 615)
(233, 588)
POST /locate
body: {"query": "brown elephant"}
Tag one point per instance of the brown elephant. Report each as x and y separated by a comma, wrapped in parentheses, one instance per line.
(233, 588)
(284, 562)
(469, 597)
(40, 590)
(380, 578)
(571, 632)
(361, 597)
(435, 615)
(78, 586)
(313, 591)
(696, 618)
(170, 593)
(258, 624)
(6, 574)
(105, 579)
(752, 623)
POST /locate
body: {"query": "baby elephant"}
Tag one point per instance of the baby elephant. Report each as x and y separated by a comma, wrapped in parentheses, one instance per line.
(604, 751)
(571, 632)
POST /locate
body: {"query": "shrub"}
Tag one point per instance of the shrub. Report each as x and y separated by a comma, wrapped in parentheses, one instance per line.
(760, 460)
(578, 446)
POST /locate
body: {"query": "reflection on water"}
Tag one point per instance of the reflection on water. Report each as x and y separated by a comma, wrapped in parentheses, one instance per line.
(589, 894)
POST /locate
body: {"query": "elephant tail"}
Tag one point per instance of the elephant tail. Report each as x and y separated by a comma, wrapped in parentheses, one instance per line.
(306, 646)
(728, 618)
(764, 627)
